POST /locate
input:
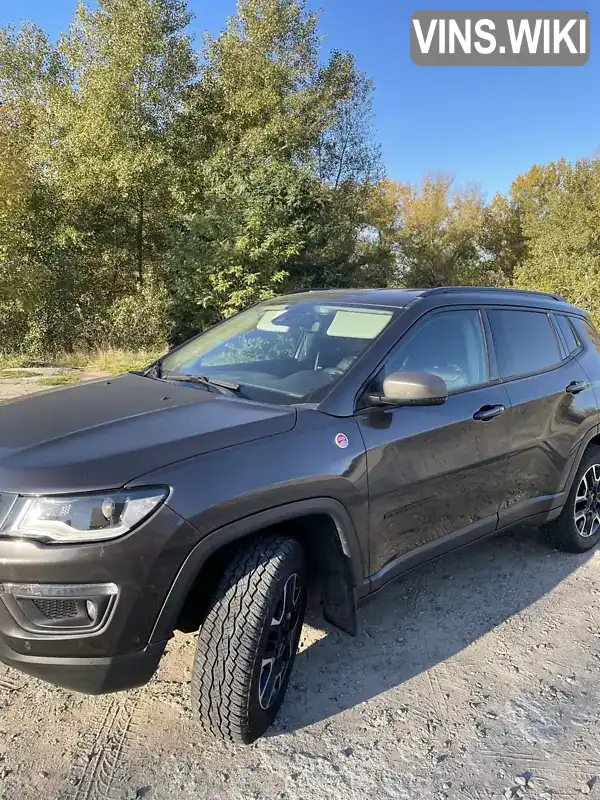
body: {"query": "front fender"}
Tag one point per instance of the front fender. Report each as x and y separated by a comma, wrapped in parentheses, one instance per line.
(237, 531)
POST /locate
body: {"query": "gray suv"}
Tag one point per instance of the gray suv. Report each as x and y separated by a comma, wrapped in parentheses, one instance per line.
(324, 441)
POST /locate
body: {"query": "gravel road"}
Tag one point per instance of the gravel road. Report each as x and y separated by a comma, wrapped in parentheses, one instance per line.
(474, 677)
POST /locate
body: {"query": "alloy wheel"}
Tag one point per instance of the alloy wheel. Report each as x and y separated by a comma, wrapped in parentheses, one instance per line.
(278, 653)
(587, 503)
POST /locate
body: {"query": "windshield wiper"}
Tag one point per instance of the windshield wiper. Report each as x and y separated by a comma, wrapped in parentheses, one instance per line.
(202, 380)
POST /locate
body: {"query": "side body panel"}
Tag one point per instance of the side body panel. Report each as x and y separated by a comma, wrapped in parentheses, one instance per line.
(235, 483)
(434, 471)
(549, 427)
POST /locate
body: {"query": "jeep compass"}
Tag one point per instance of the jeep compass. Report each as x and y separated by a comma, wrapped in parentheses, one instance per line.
(324, 441)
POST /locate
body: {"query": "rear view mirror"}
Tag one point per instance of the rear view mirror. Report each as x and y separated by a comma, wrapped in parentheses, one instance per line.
(412, 389)
(299, 318)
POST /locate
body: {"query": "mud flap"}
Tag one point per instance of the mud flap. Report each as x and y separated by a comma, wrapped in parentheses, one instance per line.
(339, 602)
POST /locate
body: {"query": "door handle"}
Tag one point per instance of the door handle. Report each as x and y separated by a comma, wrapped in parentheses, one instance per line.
(577, 386)
(487, 413)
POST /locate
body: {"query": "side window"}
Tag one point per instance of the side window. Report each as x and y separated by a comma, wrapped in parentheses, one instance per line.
(570, 337)
(450, 344)
(524, 340)
(587, 331)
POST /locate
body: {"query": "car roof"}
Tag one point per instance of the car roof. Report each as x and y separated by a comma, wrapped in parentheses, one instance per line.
(394, 298)
(448, 295)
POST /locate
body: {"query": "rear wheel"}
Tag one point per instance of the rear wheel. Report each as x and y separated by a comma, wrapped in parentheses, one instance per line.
(247, 645)
(578, 527)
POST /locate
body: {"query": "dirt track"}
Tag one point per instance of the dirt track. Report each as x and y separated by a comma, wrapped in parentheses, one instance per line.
(477, 676)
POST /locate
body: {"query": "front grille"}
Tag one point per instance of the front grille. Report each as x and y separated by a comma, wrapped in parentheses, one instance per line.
(56, 608)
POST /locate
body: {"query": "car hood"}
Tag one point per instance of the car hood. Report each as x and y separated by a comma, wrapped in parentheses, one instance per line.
(102, 434)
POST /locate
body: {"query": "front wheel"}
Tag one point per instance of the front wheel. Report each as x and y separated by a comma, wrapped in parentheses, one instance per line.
(248, 642)
(578, 527)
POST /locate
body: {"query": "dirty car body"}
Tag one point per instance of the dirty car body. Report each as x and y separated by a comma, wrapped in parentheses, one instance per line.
(121, 500)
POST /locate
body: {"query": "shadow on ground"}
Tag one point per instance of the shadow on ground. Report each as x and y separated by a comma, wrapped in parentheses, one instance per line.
(421, 620)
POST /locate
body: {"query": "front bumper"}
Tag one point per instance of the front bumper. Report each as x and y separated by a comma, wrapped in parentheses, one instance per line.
(117, 653)
(89, 675)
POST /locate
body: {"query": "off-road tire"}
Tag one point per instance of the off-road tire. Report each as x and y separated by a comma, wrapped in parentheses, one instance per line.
(236, 634)
(563, 532)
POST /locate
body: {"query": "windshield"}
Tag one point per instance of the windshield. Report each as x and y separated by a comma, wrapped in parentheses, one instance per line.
(282, 352)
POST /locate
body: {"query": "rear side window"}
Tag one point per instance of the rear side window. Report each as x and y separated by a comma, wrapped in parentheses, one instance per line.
(571, 339)
(524, 340)
(587, 331)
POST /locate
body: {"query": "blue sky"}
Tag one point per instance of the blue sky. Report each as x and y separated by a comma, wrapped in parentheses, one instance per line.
(485, 125)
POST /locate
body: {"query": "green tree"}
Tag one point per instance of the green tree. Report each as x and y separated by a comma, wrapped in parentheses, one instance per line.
(502, 241)
(530, 192)
(348, 250)
(508, 221)
(139, 182)
(345, 152)
(98, 115)
(436, 233)
(563, 253)
(33, 277)
(130, 63)
(268, 213)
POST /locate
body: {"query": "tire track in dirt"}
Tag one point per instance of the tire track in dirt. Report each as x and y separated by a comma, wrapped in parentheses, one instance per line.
(8, 684)
(9, 679)
(94, 775)
(565, 773)
(567, 762)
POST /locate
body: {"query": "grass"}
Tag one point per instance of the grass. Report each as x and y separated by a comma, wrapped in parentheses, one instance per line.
(14, 361)
(18, 373)
(111, 360)
(58, 380)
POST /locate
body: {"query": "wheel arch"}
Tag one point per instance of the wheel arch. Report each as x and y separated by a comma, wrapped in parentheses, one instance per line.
(592, 437)
(327, 532)
(594, 440)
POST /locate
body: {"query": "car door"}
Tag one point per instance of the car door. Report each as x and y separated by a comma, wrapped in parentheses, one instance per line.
(552, 407)
(436, 470)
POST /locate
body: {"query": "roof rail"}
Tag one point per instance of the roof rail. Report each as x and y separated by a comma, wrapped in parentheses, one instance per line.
(303, 291)
(499, 289)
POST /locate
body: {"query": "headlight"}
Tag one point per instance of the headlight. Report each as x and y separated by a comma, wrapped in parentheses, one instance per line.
(81, 518)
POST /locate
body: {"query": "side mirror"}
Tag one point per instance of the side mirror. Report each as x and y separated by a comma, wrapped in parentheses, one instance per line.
(412, 389)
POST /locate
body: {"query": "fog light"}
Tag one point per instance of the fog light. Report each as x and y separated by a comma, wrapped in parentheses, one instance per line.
(92, 610)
